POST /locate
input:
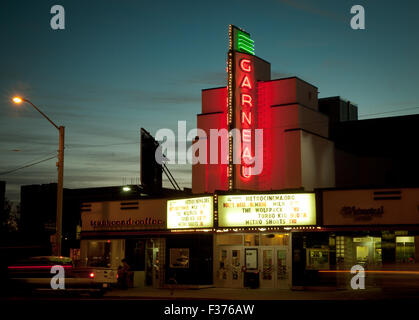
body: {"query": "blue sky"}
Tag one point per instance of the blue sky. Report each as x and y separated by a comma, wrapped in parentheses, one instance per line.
(122, 65)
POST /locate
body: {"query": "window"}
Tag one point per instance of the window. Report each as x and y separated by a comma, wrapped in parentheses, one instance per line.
(229, 239)
(405, 249)
(274, 239)
(98, 254)
(340, 247)
(317, 259)
(135, 254)
(179, 257)
(251, 240)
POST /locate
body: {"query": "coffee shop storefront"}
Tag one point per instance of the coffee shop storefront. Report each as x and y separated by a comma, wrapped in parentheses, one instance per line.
(164, 241)
(134, 230)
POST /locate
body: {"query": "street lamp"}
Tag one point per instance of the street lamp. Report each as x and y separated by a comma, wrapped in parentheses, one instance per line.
(60, 165)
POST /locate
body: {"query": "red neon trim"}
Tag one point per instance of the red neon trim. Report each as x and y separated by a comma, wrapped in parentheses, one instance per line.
(246, 68)
(37, 267)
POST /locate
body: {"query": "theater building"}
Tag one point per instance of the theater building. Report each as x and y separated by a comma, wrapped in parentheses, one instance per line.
(309, 145)
(299, 190)
(280, 128)
(237, 230)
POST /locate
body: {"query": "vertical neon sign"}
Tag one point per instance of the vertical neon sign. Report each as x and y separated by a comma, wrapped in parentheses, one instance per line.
(241, 95)
(245, 91)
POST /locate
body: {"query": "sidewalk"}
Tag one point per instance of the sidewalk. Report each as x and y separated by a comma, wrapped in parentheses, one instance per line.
(246, 294)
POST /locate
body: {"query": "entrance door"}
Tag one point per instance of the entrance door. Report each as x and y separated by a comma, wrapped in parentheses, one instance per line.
(274, 270)
(267, 263)
(229, 264)
(156, 264)
(282, 268)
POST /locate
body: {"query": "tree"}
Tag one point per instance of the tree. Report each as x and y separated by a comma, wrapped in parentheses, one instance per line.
(9, 217)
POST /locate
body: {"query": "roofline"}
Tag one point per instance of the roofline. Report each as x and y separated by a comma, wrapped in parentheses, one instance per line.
(340, 98)
(214, 88)
(287, 78)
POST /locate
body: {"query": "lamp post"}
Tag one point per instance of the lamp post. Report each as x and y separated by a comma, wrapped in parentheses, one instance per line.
(60, 165)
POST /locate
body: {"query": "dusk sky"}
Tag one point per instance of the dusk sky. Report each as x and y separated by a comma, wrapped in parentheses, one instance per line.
(122, 65)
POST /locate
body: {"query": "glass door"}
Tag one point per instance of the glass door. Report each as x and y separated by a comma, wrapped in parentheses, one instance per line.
(229, 264)
(282, 268)
(156, 265)
(267, 276)
(221, 267)
(236, 268)
(274, 267)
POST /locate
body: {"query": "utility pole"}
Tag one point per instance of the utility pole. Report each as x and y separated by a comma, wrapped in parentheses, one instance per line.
(59, 219)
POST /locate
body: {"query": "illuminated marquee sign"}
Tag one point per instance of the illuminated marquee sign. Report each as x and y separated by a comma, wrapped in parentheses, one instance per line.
(267, 210)
(190, 213)
(241, 101)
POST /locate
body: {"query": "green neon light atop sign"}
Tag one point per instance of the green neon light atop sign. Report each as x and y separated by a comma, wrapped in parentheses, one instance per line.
(245, 43)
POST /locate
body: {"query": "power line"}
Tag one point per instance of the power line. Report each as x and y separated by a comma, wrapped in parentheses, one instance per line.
(39, 158)
(374, 114)
(26, 166)
(99, 145)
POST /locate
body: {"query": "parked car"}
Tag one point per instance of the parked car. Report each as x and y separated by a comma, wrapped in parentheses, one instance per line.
(34, 275)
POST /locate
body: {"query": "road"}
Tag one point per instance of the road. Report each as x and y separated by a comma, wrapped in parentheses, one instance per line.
(394, 293)
(149, 303)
